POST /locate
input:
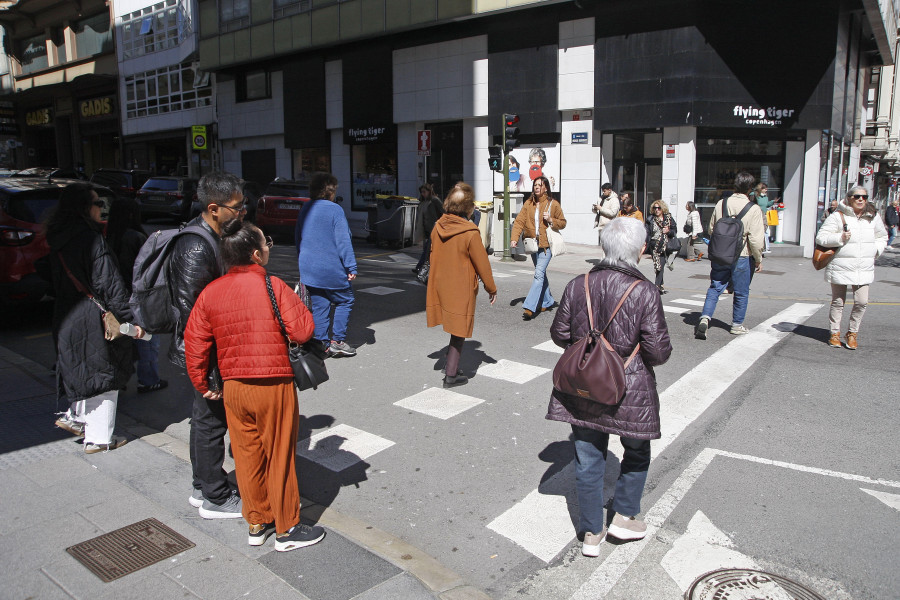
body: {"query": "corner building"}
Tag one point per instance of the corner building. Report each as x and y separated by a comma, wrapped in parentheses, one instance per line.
(667, 99)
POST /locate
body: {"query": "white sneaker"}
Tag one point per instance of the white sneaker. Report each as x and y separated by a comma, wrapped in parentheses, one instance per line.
(739, 329)
(591, 544)
(627, 528)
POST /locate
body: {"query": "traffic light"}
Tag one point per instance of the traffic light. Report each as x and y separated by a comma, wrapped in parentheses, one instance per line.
(510, 132)
(496, 158)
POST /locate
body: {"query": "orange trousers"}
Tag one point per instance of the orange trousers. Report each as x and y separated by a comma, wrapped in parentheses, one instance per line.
(263, 420)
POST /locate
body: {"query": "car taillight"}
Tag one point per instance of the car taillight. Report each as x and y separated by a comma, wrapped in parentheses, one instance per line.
(15, 237)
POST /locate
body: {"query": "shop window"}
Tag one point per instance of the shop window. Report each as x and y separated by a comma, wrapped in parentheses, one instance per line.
(33, 54)
(168, 89)
(307, 161)
(154, 28)
(720, 159)
(286, 8)
(253, 85)
(233, 15)
(374, 172)
(93, 36)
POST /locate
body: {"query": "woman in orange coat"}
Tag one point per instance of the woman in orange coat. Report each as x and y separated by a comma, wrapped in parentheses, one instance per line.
(458, 261)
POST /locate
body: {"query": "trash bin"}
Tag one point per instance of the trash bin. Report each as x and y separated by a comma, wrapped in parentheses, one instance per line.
(395, 220)
(486, 224)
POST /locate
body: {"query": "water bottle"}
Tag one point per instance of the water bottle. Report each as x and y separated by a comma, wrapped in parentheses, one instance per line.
(131, 331)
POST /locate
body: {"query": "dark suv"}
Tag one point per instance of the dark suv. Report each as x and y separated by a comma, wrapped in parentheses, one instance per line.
(124, 182)
(277, 209)
(167, 197)
(24, 206)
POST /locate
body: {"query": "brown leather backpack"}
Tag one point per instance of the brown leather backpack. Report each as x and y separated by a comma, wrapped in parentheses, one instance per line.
(591, 368)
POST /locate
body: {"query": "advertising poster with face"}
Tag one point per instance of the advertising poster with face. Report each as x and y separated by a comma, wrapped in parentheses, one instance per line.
(526, 165)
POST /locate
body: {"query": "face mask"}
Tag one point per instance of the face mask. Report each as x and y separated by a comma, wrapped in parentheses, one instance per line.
(513, 174)
(534, 172)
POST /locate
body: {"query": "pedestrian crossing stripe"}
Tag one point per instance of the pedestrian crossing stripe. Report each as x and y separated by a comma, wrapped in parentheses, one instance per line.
(688, 302)
(379, 290)
(439, 403)
(677, 309)
(341, 447)
(509, 370)
(548, 346)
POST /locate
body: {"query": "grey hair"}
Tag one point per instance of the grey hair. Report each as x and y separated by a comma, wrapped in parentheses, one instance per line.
(622, 240)
(218, 188)
(856, 187)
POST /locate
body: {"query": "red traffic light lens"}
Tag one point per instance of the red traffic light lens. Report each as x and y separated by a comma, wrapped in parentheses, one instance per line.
(511, 120)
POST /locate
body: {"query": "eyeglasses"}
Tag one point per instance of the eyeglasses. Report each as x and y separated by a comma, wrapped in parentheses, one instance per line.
(242, 207)
(656, 208)
(858, 196)
(269, 241)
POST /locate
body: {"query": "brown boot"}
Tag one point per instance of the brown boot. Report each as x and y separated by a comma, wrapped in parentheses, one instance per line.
(851, 340)
(835, 340)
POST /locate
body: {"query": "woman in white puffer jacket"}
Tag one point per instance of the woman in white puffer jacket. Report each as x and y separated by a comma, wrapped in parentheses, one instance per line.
(858, 234)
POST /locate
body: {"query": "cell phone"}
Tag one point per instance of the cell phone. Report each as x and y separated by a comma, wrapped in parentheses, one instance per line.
(846, 228)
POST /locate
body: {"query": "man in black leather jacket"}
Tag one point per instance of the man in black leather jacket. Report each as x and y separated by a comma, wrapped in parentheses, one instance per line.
(192, 266)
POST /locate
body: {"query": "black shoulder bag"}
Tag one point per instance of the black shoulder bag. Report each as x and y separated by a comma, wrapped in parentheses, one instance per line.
(307, 359)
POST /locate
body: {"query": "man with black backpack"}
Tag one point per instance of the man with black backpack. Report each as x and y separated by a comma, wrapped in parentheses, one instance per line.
(735, 251)
(192, 264)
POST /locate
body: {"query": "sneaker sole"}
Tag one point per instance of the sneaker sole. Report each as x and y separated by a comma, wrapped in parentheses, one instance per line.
(194, 502)
(342, 353)
(293, 545)
(259, 540)
(590, 550)
(215, 514)
(105, 448)
(847, 347)
(700, 334)
(620, 533)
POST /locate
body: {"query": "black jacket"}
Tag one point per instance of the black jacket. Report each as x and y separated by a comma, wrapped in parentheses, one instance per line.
(432, 210)
(192, 265)
(86, 363)
(640, 319)
(891, 216)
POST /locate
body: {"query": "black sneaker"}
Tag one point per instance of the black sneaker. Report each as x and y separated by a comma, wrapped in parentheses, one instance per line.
(159, 385)
(260, 533)
(454, 381)
(298, 536)
(702, 326)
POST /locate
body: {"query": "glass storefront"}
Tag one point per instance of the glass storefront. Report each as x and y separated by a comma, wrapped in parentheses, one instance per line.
(637, 167)
(306, 161)
(374, 169)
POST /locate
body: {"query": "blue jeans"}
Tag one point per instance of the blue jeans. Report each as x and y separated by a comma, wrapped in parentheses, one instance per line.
(590, 468)
(321, 300)
(892, 233)
(539, 295)
(147, 363)
(739, 275)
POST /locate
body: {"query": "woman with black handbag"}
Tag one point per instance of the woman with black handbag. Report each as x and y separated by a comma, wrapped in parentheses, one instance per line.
(660, 234)
(233, 317)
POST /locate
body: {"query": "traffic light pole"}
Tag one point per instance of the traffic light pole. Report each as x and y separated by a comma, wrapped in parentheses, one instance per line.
(507, 256)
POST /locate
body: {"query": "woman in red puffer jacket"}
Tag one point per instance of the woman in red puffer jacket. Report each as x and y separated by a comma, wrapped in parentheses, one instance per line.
(234, 316)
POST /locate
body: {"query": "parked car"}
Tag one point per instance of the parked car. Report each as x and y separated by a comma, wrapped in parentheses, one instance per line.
(24, 205)
(124, 182)
(49, 173)
(167, 197)
(278, 207)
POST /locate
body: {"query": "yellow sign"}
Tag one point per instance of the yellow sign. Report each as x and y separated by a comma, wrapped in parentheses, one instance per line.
(198, 137)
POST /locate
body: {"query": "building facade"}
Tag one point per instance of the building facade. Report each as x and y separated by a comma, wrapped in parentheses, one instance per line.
(662, 98)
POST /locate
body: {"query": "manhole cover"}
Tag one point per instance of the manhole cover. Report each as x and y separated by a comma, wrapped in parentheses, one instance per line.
(747, 584)
(129, 549)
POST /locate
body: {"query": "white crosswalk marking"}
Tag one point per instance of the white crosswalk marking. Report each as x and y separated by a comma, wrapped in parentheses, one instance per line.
(677, 309)
(438, 402)
(549, 346)
(341, 446)
(688, 302)
(379, 290)
(680, 404)
(509, 370)
(502, 275)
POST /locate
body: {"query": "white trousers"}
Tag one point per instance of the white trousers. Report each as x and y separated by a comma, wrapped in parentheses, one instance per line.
(98, 413)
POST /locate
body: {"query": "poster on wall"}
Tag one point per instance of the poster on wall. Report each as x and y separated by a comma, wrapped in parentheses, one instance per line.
(527, 164)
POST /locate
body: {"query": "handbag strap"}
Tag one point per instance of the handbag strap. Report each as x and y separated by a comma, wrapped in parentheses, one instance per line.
(78, 285)
(276, 311)
(587, 295)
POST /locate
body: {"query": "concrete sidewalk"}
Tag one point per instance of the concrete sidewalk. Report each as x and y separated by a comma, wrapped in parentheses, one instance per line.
(53, 495)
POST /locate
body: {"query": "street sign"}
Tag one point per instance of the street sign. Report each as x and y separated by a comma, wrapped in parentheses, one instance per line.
(198, 137)
(865, 171)
(424, 140)
(579, 137)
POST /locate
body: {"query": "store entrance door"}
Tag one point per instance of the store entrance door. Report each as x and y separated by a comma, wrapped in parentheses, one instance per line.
(635, 168)
(444, 168)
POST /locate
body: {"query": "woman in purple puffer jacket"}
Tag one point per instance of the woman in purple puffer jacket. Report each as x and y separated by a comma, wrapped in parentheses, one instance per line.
(636, 419)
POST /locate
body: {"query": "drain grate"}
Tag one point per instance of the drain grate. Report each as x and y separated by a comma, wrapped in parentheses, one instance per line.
(129, 549)
(747, 583)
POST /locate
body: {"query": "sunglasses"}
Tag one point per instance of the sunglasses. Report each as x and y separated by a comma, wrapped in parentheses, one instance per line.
(858, 196)
(656, 208)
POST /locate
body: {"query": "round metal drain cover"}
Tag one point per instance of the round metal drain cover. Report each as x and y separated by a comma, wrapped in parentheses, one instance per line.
(747, 584)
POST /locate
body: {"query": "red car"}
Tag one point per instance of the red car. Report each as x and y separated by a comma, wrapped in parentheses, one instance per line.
(24, 204)
(277, 209)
